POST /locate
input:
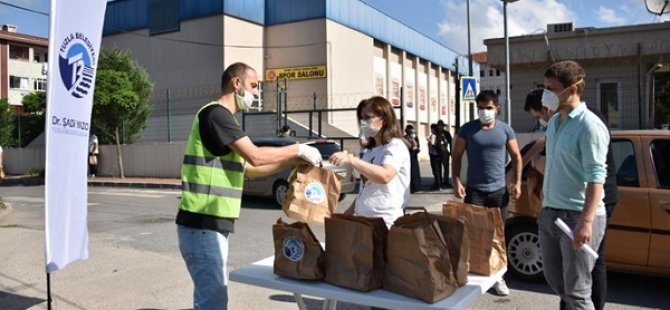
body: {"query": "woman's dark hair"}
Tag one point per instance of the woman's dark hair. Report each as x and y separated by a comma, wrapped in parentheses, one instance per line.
(384, 110)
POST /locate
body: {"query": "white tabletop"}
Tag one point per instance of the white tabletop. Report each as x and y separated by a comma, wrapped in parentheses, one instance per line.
(261, 274)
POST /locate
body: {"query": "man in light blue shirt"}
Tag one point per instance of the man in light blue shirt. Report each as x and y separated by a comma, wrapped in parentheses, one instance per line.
(575, 172)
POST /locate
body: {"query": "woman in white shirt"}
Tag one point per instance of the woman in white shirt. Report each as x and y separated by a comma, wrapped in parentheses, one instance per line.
(384, 168)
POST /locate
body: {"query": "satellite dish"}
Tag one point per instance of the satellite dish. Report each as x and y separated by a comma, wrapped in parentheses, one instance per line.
(658, 7)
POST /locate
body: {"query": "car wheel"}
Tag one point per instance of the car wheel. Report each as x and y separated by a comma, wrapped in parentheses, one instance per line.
(342, 197)
(523, 253)
(279, 192)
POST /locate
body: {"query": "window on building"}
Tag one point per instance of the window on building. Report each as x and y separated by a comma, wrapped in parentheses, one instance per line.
(626, 165)
(498, 91)
(36, 58)
(660, 152)
(491, 72)
(497, 72)
(19, 52)
(481, 73)
(18, 82)
(609, 103)
(40, 84)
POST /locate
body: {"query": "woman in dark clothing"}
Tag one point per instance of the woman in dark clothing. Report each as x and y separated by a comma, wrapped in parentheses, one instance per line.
(415, 171)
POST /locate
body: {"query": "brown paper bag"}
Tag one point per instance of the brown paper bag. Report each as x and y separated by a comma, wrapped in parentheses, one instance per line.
(487, 239)
(455, 231)
(312, 194)
(355, 248)
(534, 186)
(298, 254)
(92, 160)
(418, 263)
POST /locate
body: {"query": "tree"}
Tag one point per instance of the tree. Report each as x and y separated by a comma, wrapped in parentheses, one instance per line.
(662, 103)
(121, 100)
(6, 124)
(32, 118)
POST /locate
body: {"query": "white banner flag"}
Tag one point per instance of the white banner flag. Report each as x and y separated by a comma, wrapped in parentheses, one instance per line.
(75, 30)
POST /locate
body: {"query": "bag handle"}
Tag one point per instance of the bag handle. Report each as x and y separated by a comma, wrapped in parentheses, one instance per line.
(425, 212)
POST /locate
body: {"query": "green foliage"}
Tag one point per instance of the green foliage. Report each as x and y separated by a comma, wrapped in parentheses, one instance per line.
(121, 98)
(6, 125)
(32, 120)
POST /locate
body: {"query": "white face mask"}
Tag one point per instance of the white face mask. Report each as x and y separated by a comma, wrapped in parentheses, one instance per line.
(367, 129)
(550, 100)
(244, 102)
(487, 116)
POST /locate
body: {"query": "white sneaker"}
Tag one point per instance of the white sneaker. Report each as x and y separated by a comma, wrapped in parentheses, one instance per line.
(501, 288)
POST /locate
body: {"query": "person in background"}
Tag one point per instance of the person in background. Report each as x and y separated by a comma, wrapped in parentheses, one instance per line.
(2, 167)
(575, 171)
(435, 153)
(446, 152)
(414, 148)
(486, 140)
(93, 152)
(217, 158)
(285, 131)
(542, 113)
(384, 168)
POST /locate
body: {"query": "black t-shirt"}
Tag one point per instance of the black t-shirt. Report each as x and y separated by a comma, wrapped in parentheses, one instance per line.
(218, 129)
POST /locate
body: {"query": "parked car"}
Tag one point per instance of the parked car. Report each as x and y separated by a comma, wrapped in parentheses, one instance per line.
(638, 234)
(276, 185)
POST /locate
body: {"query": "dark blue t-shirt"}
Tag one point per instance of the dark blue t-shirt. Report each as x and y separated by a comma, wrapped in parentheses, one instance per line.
(486, 150)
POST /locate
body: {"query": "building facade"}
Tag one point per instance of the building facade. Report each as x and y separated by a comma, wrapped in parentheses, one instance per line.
(310, 54)
(23, 61)
(622, 66)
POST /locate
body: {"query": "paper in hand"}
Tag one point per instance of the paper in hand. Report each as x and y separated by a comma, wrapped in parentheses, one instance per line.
(564, 227)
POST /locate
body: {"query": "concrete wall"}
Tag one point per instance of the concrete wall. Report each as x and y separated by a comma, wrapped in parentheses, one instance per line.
(139, 160)
(189, 64)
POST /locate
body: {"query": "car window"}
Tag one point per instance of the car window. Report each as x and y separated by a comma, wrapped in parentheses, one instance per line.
(626, 165)
(660, 152)
(327, 148)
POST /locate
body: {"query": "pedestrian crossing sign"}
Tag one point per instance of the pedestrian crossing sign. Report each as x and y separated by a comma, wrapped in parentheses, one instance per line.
(469, 88)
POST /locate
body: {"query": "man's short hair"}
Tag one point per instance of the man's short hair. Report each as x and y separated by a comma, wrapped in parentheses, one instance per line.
(486, 96)
(238, 69)
(568, 73)
(534, 100)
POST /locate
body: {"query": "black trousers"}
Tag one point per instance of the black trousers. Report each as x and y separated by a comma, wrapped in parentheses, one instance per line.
(445, 168)
(496, 199)
(599, 273)
(436, 167)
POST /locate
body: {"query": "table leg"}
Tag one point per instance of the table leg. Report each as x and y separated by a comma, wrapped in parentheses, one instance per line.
(300, 301)
(329, 304)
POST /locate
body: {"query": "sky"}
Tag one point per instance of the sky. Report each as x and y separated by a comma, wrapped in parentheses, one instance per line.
(442, 20)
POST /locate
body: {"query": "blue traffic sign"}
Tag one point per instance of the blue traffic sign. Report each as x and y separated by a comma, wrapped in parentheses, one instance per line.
(468, 88)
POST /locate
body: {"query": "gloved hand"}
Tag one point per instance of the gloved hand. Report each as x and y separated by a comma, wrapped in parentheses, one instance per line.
(310, 154)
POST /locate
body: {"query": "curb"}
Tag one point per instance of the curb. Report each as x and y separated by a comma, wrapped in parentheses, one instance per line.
(4, 211)
(135, 185)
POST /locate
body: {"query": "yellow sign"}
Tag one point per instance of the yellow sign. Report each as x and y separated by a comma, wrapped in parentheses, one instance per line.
(298, 73)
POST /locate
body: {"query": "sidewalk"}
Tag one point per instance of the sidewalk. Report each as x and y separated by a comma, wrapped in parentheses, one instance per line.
(172, 183)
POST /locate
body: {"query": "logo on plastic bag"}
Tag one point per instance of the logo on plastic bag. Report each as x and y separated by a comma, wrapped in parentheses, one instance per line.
(315, 193)
(294, 249)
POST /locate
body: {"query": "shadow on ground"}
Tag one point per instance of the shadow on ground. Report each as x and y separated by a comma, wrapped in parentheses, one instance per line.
(9, 301)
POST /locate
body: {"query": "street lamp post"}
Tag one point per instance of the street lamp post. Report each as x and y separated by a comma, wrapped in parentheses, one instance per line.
(508, 101)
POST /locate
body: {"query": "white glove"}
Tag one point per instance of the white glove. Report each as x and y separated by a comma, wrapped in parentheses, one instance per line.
(310, 154)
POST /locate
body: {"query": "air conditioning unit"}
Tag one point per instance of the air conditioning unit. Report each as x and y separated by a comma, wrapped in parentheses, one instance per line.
(561, 27)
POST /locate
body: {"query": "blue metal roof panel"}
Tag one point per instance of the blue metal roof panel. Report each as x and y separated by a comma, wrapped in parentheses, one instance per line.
(361, 16)
(250, 10)
(287, 11)
(126, 15)
(199, 8)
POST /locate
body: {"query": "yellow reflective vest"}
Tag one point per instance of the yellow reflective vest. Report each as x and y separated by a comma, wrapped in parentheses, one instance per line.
(211, 185)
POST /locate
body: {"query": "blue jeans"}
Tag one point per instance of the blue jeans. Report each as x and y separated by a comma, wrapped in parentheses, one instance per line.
(568, 271)
(206, 253)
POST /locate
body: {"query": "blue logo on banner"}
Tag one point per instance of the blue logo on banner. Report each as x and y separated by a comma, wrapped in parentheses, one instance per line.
(76, 64)
(294, 249)
(315, 193)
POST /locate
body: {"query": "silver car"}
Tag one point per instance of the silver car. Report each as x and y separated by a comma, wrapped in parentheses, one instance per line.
(276, 185)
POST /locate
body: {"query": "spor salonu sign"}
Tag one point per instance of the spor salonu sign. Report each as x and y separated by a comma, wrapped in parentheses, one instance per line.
(296, 73)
